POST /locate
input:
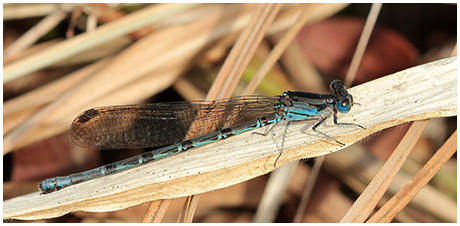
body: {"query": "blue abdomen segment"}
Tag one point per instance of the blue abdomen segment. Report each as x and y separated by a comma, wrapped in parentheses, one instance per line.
(301, 111)
(54, 184)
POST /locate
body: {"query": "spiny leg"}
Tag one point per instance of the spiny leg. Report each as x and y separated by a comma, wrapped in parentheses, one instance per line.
(267, 130)
(323, 134)
(345, 123)
(282, 143)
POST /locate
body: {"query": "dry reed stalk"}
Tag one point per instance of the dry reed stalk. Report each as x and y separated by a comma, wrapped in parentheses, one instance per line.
(302, 70)
(272, 197)
(106, 14)
(12, 121)
(233, 68)
(356, 167)
(368, 200)
(156, 211)
(33, 49)
(22, 11)
(187, 90)
(310, 13)
(163, 179)
(76, 13)
(362, 44)
(388, 212)
(188, 210)
(35, 33)
(311, 181)
(406, 194)
(86, 41)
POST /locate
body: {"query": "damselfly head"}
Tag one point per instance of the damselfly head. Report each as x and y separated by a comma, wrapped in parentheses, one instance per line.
(344, 101)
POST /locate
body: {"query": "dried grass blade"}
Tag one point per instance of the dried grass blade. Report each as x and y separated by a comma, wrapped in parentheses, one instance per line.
(362, 43)
(278, 50)
(388, 212)
(308, 189)
(271, 200)
(27, 10)
(86, 41)
(368, 200)
(35, 33)
(189, 208)
(242, 51)
(156, 211)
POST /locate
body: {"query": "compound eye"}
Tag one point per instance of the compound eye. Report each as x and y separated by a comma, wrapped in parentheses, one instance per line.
(343, 106)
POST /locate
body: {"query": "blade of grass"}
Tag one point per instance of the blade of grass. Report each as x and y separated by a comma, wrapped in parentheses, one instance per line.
(308, 189)
(271, 200)
(35, 33)
(163, 179)
(106, 14)
(186, 216)
(156, 211)
(301, 70)
(86, 41)
(368, 200)
(243, 50)
(321, 11)
(22, 11)
(362, 43)
(388, 212)
(278, 50)
(356, 167)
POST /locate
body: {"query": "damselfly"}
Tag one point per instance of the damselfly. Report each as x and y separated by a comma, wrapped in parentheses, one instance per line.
(153, 125)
